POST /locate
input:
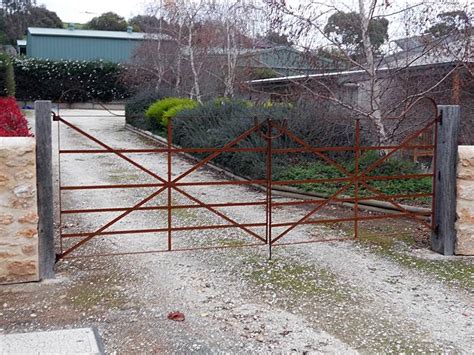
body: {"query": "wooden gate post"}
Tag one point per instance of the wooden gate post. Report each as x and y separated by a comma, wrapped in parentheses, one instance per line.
(443, 237)
(44, 174)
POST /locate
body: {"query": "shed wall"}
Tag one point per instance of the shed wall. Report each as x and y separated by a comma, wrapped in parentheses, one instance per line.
(81, 48)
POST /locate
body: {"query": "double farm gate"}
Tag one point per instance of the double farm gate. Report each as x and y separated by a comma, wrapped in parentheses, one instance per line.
(271, 230)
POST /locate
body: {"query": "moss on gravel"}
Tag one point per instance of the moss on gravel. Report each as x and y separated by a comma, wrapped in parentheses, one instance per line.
(453, 271)
(323, 298)
(101, 292)
(289, 276)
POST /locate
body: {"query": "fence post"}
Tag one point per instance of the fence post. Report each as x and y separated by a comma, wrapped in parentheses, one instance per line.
(44, 173)
(443, 237)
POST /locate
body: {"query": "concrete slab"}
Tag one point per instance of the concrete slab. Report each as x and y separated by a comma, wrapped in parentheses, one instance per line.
(69, 341)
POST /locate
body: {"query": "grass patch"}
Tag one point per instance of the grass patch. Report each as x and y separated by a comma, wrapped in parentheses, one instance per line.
(101, 292)
(457, 272)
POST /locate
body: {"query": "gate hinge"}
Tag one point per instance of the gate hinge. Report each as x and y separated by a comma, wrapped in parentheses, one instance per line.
(440, 118)
(55, 117)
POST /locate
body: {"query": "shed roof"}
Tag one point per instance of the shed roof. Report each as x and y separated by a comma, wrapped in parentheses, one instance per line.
(346, 73)
(95, 34)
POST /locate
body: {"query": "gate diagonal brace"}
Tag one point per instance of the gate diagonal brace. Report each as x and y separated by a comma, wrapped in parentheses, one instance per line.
(110, 149)
(313, 211)
(128, 211)
(392, 201)
(312, 149)
(218, 213)
(217, 153)
(402, 145)
(355, 178)
(112, 222)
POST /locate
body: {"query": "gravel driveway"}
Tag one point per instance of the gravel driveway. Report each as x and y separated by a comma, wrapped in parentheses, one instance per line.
(324, 297)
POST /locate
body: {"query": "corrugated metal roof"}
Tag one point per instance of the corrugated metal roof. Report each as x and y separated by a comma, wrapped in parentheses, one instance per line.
(95, 34)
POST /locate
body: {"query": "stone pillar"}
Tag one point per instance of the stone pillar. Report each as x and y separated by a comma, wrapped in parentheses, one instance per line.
(465, 201)
(18, 210)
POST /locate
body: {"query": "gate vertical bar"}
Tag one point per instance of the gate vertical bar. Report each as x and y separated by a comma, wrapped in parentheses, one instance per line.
(269, 186)
(356, 183)
(60, 197)
(267, 181)
(170, 211)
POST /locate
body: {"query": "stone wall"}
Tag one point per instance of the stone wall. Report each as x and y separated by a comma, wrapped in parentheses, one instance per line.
(465, 201)
(18, 210)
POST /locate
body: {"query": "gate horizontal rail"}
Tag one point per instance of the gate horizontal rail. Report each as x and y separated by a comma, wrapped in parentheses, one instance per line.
(237, 150)
(247, 182)
(242, 204)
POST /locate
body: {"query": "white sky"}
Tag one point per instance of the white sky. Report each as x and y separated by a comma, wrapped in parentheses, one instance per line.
(83, 10)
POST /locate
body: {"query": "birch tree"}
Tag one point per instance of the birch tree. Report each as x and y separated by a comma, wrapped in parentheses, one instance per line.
(208, 38)
(305, 24)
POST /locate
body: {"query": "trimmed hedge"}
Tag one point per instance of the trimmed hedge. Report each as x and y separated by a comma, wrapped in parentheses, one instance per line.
(68, 80)
(173, 112)
(161, 111)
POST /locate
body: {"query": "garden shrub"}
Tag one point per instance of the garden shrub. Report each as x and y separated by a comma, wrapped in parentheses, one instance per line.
(68, 80)
(12, 121)
(137, 105)
(157, 110)
(391, 167)
(173, 111)
(217, 122)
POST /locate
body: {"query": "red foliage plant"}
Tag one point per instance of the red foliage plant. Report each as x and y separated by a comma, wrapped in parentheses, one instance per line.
(12, 121)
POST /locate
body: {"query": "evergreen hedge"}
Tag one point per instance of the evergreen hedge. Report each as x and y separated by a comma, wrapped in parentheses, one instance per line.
(137, 105)
(68, 80)
(217, 122)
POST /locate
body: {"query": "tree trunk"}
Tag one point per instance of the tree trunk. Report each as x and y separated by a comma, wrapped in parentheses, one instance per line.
(231, 62)
(178, 63)
(374, 92)
(196, 91)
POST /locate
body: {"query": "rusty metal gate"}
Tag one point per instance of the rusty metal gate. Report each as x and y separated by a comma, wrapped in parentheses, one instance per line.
(274, 232)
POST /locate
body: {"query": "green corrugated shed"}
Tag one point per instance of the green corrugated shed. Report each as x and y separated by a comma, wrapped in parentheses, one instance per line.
(72, 44)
